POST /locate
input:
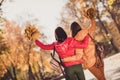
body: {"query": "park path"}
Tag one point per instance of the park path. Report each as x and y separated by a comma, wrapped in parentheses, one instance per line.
(112, 68)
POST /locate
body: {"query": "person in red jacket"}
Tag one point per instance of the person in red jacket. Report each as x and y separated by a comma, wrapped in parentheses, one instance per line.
(88, 55)
(65, 47)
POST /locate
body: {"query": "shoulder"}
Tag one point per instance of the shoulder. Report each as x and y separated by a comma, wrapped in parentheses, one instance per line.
(81, 34)
(55, 43)
(69, 40)
(83, 31)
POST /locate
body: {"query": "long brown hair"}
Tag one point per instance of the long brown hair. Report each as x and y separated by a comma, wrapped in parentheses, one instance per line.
(75, 28)
(60, 34)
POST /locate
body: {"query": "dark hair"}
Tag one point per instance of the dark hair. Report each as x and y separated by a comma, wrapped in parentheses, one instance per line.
(60, 34)
(75, 28)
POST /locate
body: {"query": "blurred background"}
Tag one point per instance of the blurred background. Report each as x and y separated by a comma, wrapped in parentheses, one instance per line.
(21, 59)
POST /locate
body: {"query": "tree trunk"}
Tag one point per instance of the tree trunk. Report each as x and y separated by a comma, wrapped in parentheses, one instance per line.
(116, 12)
(115, 35)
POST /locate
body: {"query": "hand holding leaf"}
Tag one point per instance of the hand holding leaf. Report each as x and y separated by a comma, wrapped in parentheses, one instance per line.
(31, 32)
(90, 13)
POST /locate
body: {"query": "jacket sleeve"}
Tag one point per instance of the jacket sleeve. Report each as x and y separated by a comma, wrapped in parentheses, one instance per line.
(82, 44)
(43, 46)
(78, 56)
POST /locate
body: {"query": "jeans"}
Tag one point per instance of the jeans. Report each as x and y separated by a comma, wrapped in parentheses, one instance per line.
(75, 72)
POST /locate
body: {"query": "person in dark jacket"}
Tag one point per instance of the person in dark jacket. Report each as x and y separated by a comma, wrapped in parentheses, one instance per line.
(65, 47)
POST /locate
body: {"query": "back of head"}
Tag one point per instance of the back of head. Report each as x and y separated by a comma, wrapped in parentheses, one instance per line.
(75, 28)
(60, 34)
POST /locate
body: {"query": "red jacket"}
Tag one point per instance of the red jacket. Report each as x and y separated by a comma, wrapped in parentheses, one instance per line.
(65, 48)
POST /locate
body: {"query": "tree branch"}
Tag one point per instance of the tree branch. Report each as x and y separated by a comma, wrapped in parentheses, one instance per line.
(1, 3)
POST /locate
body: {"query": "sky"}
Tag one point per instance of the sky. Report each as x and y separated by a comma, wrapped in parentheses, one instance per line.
(46, 12)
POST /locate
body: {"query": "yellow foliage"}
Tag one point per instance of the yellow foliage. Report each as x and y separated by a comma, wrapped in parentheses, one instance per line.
(31, 32)
(110, 2)
(2, 69)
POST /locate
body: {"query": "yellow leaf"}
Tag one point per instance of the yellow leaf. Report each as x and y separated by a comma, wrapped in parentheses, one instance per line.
(110, 2)
(31, 32)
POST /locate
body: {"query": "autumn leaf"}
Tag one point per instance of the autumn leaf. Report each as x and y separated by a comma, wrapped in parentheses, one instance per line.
(31, 32)
(90, 13)
(110, 2)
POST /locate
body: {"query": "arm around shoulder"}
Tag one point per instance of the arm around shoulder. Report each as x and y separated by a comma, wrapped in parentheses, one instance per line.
(75, 57)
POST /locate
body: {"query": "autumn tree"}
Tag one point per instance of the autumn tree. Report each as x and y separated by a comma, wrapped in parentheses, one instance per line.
(112, 9)
(24, 59)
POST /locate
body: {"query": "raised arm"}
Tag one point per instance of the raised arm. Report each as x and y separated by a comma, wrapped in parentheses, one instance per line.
(43, 46)
(92, 27)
